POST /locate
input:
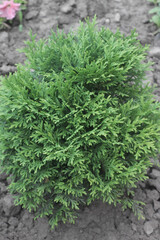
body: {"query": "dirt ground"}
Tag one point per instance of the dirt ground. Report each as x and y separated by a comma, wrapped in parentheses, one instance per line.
(99, 221)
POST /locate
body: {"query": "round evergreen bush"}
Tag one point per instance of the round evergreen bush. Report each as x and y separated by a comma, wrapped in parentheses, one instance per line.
(77, 123)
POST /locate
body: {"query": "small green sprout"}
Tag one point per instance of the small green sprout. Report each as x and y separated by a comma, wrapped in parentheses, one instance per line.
(156, 13)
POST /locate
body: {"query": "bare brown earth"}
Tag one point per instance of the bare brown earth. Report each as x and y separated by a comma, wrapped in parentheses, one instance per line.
(99, 221)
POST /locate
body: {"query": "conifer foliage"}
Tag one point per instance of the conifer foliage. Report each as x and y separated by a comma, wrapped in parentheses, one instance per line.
(77, 123)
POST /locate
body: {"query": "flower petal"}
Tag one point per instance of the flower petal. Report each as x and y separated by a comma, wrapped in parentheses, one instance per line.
(16, 6)
(10, 13)
(8, 9)
(5, 4)
(2, 14)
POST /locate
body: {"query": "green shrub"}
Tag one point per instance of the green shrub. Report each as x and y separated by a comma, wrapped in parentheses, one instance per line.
(77, 123)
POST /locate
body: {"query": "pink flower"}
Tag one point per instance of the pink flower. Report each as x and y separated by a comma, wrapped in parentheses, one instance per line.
(8, 9)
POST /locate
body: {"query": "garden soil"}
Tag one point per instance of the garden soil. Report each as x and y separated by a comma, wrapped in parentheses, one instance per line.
(98, 221)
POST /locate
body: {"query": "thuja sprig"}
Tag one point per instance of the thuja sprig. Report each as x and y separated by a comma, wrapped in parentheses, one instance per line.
(77, 122)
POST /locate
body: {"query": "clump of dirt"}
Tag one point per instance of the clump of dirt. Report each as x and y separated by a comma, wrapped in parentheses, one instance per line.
(99, 221)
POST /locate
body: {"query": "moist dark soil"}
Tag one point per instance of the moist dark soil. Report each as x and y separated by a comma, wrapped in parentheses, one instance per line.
(99, 221)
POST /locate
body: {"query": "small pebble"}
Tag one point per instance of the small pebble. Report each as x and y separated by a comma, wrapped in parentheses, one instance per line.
(117, 17)
(157, 215)
(149, 211)
(107, 20)
(155, 183)
(32, 14)
(152, 194)
(134, 227)
(13, 221)
(148, 228)
(155, 173)
(8, 206)
(157, 40)
(6, 69)
(156, 205)
(3, 36)
(66, 8)
(155, 52)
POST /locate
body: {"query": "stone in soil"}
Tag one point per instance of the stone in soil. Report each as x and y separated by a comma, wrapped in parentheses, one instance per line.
(27, 220)
(134, 227)
(13, 221)
(8, 206)
(157, 215)
(111, 236)
(149, 211)
(64, 20)
(67, 7)
(154, 173)
(154, 52)
(154, 183)
(5, 69)
(82, 10)
(3, 37)
(31, 14)
(33, 2)
(152, 194)
(150, 226)
(157, 40)
(117, 17)
(156, 205)
(125, 228)
(42, 227)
